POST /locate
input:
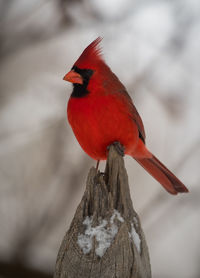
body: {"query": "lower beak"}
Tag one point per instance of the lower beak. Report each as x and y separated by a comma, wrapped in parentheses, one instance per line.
(73, 77)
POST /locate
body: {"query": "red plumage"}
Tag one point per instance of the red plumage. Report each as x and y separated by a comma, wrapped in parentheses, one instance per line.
(101, 112)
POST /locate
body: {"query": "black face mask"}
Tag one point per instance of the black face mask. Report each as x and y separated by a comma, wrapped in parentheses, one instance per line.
(80, 90)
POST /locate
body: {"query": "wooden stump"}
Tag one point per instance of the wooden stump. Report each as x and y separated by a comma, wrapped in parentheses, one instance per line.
(105, 238)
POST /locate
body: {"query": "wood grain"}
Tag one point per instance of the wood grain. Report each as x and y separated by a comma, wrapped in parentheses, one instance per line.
(105, 194)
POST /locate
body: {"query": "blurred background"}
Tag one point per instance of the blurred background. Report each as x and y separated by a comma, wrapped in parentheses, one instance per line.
(154, 48)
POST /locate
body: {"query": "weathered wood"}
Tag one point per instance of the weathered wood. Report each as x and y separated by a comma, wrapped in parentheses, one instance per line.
(105, 238)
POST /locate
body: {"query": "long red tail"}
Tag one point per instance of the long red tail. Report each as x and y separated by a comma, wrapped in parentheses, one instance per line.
(166, 178)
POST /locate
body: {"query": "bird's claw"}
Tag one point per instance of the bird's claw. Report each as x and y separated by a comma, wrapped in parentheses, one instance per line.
(118, 147)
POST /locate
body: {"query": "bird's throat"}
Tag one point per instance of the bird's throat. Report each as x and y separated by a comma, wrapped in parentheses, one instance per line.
(79, 91)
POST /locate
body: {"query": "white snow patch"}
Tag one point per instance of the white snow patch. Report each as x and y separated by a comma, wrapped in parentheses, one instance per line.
(118, 215)
(135, 237)
(135, 220)
(104, 234)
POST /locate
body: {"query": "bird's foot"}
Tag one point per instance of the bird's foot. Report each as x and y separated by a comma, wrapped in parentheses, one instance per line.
(119, 148)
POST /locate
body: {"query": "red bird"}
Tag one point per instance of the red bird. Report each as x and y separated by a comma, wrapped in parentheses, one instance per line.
(101, 112)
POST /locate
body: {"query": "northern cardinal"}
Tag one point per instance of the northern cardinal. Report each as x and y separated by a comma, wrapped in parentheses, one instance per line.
(100, 112)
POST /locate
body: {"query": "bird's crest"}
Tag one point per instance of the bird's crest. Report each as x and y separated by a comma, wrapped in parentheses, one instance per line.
(91, 55)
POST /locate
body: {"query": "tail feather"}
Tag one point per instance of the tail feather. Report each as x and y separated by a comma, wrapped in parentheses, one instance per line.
(163, 175)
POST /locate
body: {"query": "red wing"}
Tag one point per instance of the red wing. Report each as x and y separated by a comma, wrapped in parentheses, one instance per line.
(113, 85)
(133, 113)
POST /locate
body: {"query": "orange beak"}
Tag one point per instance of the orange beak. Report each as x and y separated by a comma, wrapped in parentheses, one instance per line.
(73, 77)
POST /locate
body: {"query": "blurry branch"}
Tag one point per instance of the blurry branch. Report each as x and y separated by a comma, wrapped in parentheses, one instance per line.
(13, 269)
(105, 238)
(30, 12)
(64, 9)
(28, 28)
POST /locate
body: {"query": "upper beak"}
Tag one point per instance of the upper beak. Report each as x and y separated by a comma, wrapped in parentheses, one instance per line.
(73, 77)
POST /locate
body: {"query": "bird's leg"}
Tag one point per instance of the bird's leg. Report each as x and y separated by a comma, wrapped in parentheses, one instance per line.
(119, 147)
(97, 165)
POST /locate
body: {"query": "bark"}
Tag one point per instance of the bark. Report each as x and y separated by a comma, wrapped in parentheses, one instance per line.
(105, 238)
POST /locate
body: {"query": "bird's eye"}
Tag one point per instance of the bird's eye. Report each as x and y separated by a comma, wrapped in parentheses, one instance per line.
(85, 73)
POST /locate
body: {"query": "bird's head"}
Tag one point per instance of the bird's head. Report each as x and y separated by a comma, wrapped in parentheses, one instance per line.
(86, 66)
